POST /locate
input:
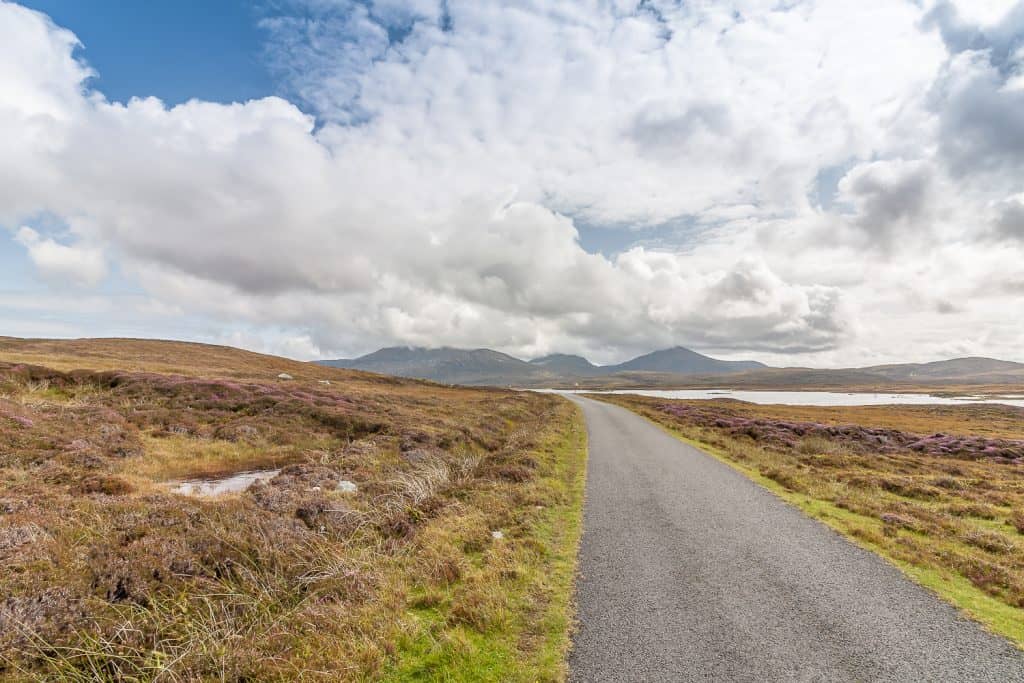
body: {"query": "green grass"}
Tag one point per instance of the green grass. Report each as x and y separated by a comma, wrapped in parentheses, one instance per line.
(526, 615)
(869, 533)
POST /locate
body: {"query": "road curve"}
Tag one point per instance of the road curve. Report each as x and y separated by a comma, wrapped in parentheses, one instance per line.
(691, 572)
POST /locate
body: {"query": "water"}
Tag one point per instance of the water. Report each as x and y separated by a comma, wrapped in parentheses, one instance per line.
(816, 398)
(219, 486)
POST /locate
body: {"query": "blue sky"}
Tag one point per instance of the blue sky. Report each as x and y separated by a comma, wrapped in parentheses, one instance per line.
(814, 183)
(173, 49)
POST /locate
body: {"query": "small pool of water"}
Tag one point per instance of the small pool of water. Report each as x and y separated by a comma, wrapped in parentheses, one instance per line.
(814, 398)
(218, 486)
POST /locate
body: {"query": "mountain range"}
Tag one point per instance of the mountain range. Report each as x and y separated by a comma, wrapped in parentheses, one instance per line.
(676, 366)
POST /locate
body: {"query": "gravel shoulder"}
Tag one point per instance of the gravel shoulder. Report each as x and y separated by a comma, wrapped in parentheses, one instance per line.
(690, 571)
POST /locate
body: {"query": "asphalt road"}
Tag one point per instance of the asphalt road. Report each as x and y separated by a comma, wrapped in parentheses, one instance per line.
(691, 572)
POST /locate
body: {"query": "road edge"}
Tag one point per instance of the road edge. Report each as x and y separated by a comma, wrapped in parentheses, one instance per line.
(955, 591)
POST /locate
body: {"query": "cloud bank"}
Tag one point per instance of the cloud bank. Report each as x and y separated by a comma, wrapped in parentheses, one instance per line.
(853, 173)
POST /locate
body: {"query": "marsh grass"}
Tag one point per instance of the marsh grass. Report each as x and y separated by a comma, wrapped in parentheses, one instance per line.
(108, 575)
(948, 516)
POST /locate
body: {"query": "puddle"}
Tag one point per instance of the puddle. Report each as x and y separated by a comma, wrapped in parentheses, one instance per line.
(219, 486)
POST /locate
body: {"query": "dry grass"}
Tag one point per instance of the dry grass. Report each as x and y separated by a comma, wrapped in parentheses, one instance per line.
(943, 503)
(995, 421)
(108, 575)
(171, 357)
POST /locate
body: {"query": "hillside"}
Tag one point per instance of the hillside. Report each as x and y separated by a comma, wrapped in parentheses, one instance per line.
(449, 366)
(567, 365)
(171, 357)
(487, 367)
(397, 527)
(682, 361)
(974, 369)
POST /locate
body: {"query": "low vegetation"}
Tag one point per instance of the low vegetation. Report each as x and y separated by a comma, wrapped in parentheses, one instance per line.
(414, 532)
(937, 490)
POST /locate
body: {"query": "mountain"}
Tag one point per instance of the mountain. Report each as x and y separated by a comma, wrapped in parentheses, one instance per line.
(484, 366)
(975, 369)
(682, 361)
(674, 367)
(447, 365)
(568, 365)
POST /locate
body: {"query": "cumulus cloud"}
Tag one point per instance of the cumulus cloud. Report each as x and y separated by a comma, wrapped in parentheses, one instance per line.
(429, 189)
(77, 264)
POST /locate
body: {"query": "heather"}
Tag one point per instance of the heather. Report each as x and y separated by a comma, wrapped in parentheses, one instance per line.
(943, 504)
(371, 554)
(787, 434)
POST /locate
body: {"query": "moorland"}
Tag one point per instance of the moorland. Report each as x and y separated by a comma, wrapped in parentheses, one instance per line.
(412, 530)
(402, 529)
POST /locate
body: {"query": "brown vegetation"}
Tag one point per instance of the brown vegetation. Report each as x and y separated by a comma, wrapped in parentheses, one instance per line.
(107, 573)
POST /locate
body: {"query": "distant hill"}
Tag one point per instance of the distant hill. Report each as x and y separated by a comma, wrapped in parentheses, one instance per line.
(667, 368)
(568, 365)
(682, 361)
(484, 366)
(447, 365)
(973, 368)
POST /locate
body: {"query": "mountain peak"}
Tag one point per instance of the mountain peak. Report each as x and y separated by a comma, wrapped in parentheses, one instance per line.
(566, 364)
(681, 360)
(486, 366)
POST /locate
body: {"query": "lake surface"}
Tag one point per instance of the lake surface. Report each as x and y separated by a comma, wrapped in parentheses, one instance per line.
(219, 486)
(815, 398)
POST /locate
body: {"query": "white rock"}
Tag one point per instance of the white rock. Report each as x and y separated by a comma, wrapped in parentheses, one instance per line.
(346, 486)
(315, 489)
(285, 375)
(497, 535)
(325, 381)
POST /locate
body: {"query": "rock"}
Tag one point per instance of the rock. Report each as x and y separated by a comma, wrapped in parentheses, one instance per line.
(346, 486)
(325, 381)
(497, 535)
(416, 455)
(285, 375)
(896, 520)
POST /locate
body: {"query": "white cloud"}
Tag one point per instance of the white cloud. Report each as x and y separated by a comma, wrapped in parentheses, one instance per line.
(432, 200)
(59, 262)
(983, 12)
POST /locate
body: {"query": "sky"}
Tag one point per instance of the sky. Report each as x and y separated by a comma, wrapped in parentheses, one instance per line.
(809, 182)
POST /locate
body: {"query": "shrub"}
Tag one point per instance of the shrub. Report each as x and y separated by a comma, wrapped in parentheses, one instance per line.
(990, 541)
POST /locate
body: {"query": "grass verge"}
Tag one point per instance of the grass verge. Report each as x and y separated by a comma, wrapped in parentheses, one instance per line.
(950, 522)
(509, 617)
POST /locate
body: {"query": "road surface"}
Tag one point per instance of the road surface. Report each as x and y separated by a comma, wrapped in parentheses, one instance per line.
(691, 572)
